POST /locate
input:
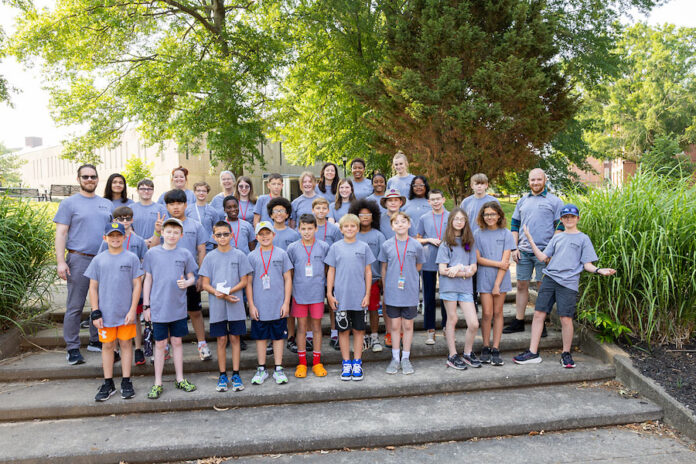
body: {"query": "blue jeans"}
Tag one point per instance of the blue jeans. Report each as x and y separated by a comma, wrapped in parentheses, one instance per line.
(429, 303)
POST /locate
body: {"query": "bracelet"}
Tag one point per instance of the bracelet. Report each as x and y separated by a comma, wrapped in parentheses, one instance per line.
(96, 314)
(146, 307)
(156, 234)
(596, 271)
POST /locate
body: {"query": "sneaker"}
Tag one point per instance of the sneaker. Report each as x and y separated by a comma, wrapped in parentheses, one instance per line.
(544, 334)
(105, 392)
(84, 324)
(242, 345)
(94, 346)
(406, 367)
(280, 377)
(485, 357)
(74, 357)
(367, 342)
(127, 390)
(204, 352)
(269, 347)
(260, 376)
(291, 345)
(357, 369)
(455, 362)
(309, 346)
(237, 384)
(567, 360)
(319, 370)
(387, 340)
(376, 347)
(471, 359)
(347, 371)
(334, 343)
(117, 357)
(139, 357)
(393, 366)
(515, 326)
(222, 384)
(527, 358)
(155, 392)
(431, 338)
(185, 385)
(496, 360)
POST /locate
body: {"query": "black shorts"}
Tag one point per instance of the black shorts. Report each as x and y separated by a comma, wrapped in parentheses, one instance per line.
(552, 292)
(163, 330)
(276, 329)
(407, 312)
(193, 299)
(224, 328)
(347, 320)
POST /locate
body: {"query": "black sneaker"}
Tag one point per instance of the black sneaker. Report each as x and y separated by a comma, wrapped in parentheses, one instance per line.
(84, 324)
(543, 332)
(515, 326)
(471, 359)
(105, 391)
(117, 357)
(310, 344)
(485, 355)
(456, 362)
(527, 358)
(74, 357)
(567, 360)
(334, 344)
(127, 391)
(269, 347)
(139, 357)
(291, 345)
(242, 345)
(496, 360)
(94, 346)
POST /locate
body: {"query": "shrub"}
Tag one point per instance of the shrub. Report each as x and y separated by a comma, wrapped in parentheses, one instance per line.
(647, 232)
(26, 251)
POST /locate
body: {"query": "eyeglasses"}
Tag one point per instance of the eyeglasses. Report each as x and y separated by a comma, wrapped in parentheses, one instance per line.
(85, 177)
(278, 211)
(491, 215)
(201, 191)
(124, 218)
(243, 187)
(146, 189)
(365, 215)
(419, 185)
(222, 235)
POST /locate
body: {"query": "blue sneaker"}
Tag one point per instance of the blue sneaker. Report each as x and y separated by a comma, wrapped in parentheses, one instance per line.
(222, 384)
(347, 372)
(237, 384)
(357, 369)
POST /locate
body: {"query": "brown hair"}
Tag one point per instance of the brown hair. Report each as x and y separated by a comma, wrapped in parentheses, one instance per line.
(495, 206)
(339, 199)
(246, 180)
(201, 184)
(450, 234)
(320, 200)
(399, 214)
(182, 169)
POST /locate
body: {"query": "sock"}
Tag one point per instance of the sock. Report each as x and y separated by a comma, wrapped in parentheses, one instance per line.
(316, 358)
(310, 335)
(303, 357)
(279, 368)
(109, 381)
(262, 367)
(405, 354)
(334, 333)
(223, 373)
(124, 378)
(395, 353)
(201, 344)
(235, 372)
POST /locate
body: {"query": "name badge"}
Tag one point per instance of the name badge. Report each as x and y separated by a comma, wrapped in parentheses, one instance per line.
(401, 283)
(308, 270)
(266, 282)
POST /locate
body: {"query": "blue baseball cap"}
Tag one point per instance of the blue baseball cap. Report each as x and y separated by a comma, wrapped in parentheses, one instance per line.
(570, 209)
(114, 227)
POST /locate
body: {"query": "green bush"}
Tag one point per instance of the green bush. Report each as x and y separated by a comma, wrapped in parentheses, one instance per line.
(647, 232)
(26, 253)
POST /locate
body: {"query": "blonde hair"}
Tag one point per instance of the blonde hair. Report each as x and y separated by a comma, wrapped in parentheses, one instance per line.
(319, 201)
(400, 154)
(307, 174)
(400, 214)
(479, 178)
(348, 219)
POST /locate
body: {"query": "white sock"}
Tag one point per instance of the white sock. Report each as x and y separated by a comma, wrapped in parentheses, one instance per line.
(395, 354)
(405, 355)
(334, 333)
(201, 344)
(310, 334)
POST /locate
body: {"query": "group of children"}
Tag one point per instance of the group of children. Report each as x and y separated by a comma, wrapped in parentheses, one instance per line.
(294, 261)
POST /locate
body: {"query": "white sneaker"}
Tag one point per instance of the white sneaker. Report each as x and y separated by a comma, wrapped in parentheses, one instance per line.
(431, 338)
(204, 352)
(376, 347)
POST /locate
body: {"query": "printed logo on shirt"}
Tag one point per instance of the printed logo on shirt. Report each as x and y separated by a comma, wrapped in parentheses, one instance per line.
(278, 263)
(360, 254)
(191, 233)
(575, 245)
(126, 267)
(500, 242)
(179, 263)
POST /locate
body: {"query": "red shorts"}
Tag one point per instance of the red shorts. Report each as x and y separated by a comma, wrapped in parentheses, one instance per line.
(375, 292)
(314, 310)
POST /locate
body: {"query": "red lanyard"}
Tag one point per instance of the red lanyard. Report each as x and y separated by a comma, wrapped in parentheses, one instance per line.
(442, 218)
(245, 211)
(128, 241)
(236, 236)
(401, 264)
(309, 253)
(265, 268)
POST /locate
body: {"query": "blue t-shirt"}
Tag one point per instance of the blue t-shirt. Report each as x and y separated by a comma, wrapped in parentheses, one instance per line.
(569, 253)
(338, 213)
(472, 205)
(145, 217)
(206, 215)
(132, 243)
(431, 225)
(491, 244)
(329, 195)
(329, 233)
(451, 256)
(190, 197)
(246, 211)
(538, 212)
(349, 260)
(410, 252)
(242, 235)
(269, 301)
(167, 300)
(86, 218)
(362, 189)
(374, 239)
(377, 199)
(261, 208)
(402, 184)
(194, 235)
(284, 237)
(228, 269)
(308, 290)
(301, 205)
(116, 203)
(415, 209)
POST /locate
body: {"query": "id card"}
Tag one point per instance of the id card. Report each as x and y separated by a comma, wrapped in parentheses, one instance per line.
(401, 283)
(266, 282)
(308, 270)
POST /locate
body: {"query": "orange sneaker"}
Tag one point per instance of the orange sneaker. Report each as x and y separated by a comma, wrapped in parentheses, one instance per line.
(387, 340)
(319, 370)
(301, 371)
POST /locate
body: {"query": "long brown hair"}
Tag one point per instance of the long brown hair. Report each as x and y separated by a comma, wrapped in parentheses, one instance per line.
(246, 180)
(450, 235)
(339, 200)
(495, 206)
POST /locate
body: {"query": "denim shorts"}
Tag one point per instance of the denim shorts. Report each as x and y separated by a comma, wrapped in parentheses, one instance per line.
(528, 263)
(457, 296)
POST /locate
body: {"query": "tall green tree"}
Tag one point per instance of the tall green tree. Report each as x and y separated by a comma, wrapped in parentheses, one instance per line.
(137, 170)
(9, 167)
(188, 70)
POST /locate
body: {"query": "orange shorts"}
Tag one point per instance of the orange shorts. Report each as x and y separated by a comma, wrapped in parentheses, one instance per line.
(122, 332)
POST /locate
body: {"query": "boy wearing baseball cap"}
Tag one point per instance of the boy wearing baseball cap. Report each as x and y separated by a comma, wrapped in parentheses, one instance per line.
(114, 291)
(566, 255)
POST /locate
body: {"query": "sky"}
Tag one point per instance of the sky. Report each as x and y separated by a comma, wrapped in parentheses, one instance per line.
(30, 116)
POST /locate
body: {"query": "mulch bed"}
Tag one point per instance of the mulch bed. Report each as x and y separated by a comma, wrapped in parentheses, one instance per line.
(674, 369)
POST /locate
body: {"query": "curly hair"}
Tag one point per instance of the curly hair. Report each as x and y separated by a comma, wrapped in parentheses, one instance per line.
(411, 195)
(370, 205)
(284, 202)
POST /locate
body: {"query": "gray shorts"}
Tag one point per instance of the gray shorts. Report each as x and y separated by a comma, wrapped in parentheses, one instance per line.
(552, 292)
(529, 264)
(347, 320)
(407, 312)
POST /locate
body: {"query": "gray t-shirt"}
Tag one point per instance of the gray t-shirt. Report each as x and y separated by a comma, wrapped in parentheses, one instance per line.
(491, 244)
(402, 184)
(568, 253)
(388, 232)
(362, 189)
(374, 239)
(116, 203)
(246, 211)
(145, 217)
(190, 197)
(216, 204)
(86, 218)
(312, 289)
(414, 254)
(415, 209)
(194, 235)
(228, 269)
(269, 301)
(453, 256)
(261, 208)
(330, 197)
(167, 300)
(132, 243)
(301, 205)
(242, 235)
(329, 233)
(377, 199)
(284, 237)
(206, 215)
(350, 260)
(538, 212)
(338, 213)
(431, 225)
(115, 274)
(472, 205)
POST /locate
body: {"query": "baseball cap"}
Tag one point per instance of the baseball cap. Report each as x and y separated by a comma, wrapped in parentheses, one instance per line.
(570, 209)
(174, 221)
(114, 227)
(263, 225)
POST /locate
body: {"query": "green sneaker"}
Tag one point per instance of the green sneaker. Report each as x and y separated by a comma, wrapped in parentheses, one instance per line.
(186, 386)
(155, 392)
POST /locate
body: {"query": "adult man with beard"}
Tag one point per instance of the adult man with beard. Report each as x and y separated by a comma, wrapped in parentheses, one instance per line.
(80, 223)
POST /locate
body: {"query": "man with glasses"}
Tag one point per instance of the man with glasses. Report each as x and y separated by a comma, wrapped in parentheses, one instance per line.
(80, 223)
(146, 213)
